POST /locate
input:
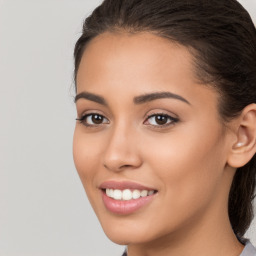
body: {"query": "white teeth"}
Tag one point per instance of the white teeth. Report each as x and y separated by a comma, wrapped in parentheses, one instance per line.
(151, 192)
(108, 192)
(117, 194)
(143, 193)
(111, 192)
(136, 194)
(127, 194)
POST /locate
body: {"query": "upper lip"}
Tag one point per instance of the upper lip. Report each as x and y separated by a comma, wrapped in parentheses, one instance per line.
(123, 185)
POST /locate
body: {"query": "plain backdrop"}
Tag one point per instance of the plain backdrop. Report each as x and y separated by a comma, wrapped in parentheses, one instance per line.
(43, 207)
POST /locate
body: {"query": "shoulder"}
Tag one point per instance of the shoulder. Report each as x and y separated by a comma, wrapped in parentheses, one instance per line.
(249, 249)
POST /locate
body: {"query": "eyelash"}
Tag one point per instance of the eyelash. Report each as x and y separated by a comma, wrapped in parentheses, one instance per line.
(172, 120)
(83, 119)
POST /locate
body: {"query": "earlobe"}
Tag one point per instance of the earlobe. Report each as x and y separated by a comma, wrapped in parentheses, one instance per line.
(244, 147)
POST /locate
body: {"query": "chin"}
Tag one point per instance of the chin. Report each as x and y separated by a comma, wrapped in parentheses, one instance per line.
(125, 238)
(125, 231)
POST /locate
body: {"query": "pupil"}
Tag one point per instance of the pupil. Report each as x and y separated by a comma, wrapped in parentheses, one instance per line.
(161, 119)
(97, 119)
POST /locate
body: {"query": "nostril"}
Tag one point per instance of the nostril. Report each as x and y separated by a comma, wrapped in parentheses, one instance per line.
(118, 168)
(125, 166)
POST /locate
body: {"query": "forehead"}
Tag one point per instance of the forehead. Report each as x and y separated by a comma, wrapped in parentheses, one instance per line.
(127, 65)
(135, 55)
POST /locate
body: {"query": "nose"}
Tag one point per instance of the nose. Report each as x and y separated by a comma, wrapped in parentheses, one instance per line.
(122, 151)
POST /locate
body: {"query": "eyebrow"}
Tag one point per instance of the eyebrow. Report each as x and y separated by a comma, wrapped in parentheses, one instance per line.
(91, 97)
(158, 95)
(137, 100)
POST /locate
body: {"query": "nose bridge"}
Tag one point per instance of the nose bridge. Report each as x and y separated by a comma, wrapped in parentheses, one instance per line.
(122, 150)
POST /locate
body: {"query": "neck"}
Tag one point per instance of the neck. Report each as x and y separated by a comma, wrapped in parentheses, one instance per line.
(211, 240)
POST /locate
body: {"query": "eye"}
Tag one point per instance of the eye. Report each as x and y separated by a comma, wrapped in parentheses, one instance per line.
(161, 120)
(93, 119)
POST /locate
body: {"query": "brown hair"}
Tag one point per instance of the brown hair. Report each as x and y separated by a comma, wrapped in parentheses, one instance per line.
(221, 37)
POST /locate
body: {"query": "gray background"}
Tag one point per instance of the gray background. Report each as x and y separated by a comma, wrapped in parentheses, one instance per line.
(43, 207)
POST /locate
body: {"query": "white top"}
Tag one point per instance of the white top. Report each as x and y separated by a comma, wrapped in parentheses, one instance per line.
(249, 250)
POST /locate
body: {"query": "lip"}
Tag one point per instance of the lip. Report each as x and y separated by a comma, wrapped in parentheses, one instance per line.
(124, 185)
(123, 207)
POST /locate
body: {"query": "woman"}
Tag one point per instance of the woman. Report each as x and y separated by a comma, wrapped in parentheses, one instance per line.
(165, 139)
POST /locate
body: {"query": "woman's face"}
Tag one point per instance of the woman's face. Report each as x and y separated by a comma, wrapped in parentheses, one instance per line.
(150, 137)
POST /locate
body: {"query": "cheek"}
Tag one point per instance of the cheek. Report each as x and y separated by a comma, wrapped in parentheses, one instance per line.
(86, 158)
(188, 164)
(85, 154)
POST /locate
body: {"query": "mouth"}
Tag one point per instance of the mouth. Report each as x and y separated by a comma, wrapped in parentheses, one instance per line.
(125, 197)
(127, 194)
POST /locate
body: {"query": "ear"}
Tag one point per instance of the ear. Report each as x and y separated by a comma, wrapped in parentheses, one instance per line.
(243, 147)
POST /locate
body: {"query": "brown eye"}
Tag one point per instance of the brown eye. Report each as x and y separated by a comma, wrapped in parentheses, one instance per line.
(97, 119)
(93, 119)
(161, 120)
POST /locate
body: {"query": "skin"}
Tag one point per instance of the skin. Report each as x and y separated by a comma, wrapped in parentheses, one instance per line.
(187, 161)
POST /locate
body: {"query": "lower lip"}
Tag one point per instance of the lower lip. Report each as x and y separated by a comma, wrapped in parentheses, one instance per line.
(125, 207)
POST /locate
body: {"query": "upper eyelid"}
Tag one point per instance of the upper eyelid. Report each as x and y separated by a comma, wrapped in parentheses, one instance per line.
(161, 112)
(145, 116)
(173, 119)
(91, 112)
(154, 110)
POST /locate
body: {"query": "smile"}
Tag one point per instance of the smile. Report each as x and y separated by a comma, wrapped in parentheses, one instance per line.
(127, 194)
(126, 197)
